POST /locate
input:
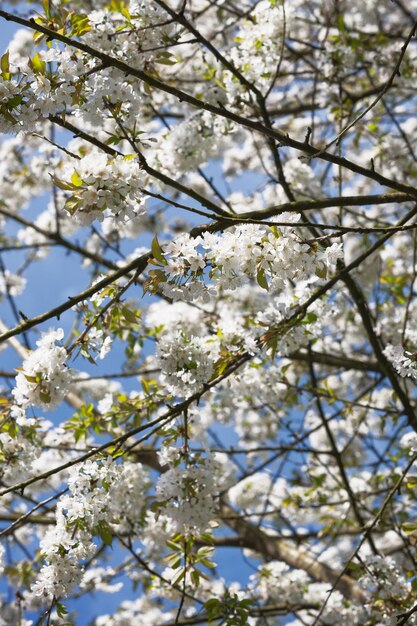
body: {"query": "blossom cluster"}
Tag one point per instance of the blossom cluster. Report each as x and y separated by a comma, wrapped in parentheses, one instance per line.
(100, 186)
(187, 492)
(259, 44)
(97, 497)
(383, 578)
(44, 378)
(187, 362)
(28, 97)
(77, 514)
(191, 143)
(241, 254)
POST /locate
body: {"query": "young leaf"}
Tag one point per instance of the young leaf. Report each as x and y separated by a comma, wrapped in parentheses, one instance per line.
(261, 279)
(38, 66)
(157, 251)
(4, 66)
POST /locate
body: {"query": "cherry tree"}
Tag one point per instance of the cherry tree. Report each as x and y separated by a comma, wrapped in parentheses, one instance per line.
(218, 425)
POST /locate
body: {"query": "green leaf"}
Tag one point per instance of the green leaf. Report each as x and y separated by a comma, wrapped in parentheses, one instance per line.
(9, 117)
(115, 454)
(76, 179)
(36, 63)
(409, 527)
(157, 251)
(4, 66)
(321, 272)
(31, 379)
(47, 8)
(341, 23)
(180, 575)
(129, 315)
(64, 185)
(272, 343)
(125, 12)
(15, 101)
(261, 279)
(105, 533)
(166, 58)
(205, 550)
(207, 563)
(79, 25)
(45, 396)
(61, 610)
(310, 318)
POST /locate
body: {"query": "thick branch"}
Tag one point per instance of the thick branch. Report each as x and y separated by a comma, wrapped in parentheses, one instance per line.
(273, 548)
